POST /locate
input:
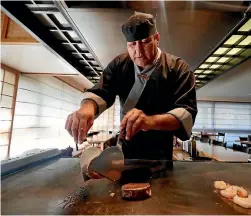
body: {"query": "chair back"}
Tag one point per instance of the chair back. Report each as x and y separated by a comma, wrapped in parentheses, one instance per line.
(243, 138)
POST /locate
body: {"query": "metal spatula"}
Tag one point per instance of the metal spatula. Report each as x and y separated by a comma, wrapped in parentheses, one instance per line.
(110, 162)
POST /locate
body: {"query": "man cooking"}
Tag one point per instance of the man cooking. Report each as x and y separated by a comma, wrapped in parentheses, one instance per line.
(156, 91)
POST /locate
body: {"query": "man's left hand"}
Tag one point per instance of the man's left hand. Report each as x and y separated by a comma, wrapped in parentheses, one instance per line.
(134, 121)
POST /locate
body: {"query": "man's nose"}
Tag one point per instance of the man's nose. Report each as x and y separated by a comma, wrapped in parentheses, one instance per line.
(138, 49)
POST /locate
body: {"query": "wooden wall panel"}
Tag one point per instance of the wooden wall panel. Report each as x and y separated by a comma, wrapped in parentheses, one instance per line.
(2, 20)
(9, 78)
(13, 33)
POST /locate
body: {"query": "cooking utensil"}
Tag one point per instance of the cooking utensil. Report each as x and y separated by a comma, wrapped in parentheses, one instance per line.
(110, 163)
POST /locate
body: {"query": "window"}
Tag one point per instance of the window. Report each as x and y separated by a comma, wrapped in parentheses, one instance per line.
(8, 90)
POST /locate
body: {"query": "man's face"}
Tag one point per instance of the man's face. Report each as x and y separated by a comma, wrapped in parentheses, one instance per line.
(143, 52)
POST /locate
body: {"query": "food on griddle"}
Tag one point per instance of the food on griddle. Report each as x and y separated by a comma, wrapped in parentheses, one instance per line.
(136, 191)
(241, 192)
(220, 185)
(239, 195)
(243, 202)
(229, 192)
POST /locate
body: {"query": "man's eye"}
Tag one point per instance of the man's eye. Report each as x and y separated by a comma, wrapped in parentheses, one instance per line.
(146, 41)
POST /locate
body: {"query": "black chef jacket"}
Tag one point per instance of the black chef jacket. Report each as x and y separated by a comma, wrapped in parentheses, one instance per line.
(170, 89)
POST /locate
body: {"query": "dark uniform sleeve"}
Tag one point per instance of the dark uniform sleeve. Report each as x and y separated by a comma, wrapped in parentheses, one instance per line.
(185, 104)
(104, 92)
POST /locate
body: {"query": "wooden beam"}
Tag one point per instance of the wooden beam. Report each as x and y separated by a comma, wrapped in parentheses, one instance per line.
(17, 75)
(13, 34)
(14, 99)
(5, 20)
(49, 74)
(18, 41)
(10, 69)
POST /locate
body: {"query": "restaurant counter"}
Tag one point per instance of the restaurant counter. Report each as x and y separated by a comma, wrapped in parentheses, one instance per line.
(186, 189)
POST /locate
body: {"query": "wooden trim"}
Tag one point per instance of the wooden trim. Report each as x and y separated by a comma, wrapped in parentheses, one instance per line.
(2, 85)
(49, 74)
(19, 41)
(13, 111)
(5, 26)
(14, 39)
(10, 69)
(69, 84)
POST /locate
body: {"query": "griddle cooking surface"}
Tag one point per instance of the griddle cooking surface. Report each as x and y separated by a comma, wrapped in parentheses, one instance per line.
(188, 189)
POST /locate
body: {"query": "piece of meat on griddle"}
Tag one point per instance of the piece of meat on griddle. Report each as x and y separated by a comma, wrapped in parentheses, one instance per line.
(136, 191)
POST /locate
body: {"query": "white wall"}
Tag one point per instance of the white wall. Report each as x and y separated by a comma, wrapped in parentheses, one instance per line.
(42, 106)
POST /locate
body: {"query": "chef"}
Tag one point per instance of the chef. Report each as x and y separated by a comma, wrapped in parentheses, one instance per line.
(156, 91)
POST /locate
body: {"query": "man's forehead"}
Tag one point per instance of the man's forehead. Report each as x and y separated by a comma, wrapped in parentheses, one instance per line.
(141, 39)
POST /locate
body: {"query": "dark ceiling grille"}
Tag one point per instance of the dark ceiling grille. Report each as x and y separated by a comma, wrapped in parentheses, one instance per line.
(234, 49)
(45, 21)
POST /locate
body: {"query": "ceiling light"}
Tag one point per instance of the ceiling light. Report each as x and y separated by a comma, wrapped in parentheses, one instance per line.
(246, 26)
(214, 66)
(204, 66)
(220, 51)
(207, 71)
(246, 41)
(197, 71)
(234, 51)
(223, 60)
(201, 76)
(211, 59)
(233, 39)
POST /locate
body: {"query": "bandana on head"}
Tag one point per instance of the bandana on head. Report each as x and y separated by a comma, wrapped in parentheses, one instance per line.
(139, 26)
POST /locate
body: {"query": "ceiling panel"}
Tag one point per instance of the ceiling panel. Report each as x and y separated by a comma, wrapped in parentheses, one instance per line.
(190, 34)
(235, 85)
(34, 58)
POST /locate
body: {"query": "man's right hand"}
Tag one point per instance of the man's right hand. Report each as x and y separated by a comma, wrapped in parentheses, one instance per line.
(79, 122)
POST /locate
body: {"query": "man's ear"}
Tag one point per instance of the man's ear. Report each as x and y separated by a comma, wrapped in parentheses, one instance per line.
(157, 36)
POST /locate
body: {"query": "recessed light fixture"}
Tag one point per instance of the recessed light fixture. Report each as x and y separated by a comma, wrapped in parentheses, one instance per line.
(211, 59)
(203, 66)
(223, 60)
(233, 39)
(246, 27)
(207, 71)
(232, 50)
